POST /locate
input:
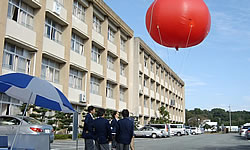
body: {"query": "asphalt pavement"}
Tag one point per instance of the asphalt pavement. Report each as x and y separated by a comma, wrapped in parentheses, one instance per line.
(192, 142)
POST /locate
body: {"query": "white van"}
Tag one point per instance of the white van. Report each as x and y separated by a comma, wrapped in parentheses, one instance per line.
(177, 129)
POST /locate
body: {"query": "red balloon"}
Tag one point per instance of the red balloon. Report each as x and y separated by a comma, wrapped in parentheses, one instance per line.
(178, 23)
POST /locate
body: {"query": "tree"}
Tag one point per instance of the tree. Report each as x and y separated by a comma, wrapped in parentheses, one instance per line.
(164, 116)
(207, 127)
(63, 121)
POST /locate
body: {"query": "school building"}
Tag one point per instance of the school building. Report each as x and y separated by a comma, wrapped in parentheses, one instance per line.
(88, 52)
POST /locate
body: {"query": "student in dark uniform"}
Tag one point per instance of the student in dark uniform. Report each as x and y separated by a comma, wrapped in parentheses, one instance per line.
(101, 131)
(87, 131)
(124, 131)
(114, 124)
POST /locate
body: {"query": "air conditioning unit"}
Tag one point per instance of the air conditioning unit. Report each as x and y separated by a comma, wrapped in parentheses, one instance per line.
(57, 7)
(82, 98)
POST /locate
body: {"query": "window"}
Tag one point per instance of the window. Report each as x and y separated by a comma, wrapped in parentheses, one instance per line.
(152, 66)
(152, 104)
(53, 30)
(162, 91)
(157, 70)
(79, 10)
(96, 24)
(152, 86)
(110, 62)
(140, 79)
(16, 58)
(94, 85)
(59, 2)
(123, 45)
(162, 74)
(122, 94)
(145, 61)
(7, 121)
(5, 99)
(145, 82)
(145, 102)
(140, 102)
(50, 70)
(122, 69)
(75, 78)
(166, 93)
(21, 13)
(157, 106)
(95, 54)
(111, 35)
(157, 89)
(109, 90)
(77, 44)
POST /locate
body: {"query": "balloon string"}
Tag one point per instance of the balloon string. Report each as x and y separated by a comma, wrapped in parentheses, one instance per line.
(159, 33)
(151, 17)
(189, 35)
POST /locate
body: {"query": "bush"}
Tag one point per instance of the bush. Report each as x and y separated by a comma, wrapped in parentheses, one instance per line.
(65, 136)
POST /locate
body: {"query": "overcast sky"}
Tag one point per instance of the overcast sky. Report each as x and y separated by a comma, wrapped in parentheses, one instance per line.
(217, 71)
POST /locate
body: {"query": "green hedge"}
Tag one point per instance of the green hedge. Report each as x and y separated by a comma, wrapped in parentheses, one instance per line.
(64, 136)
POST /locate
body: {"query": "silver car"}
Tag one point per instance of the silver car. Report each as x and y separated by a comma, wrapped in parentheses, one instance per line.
(9, 125)
(149, 132)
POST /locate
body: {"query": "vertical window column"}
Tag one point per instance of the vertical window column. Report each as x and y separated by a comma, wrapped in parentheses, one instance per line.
(50, 70)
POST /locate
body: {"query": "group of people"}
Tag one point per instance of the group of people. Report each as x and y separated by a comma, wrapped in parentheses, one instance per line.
(98, 133)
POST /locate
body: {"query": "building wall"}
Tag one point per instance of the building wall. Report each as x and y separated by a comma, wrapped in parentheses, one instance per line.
(43, 49)
(170, 86)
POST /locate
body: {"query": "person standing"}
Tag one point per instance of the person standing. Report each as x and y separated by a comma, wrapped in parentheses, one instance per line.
(124, 131)
(114, 124)
(101, 131)
(87, 133)
(132, 143)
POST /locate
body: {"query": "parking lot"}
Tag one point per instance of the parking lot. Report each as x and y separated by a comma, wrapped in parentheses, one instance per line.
(193, 142)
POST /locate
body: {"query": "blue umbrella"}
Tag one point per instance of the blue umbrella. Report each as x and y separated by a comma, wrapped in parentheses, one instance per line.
(33, 90)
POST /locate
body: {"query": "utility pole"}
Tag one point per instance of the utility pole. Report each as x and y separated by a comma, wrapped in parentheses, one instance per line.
(230, 118)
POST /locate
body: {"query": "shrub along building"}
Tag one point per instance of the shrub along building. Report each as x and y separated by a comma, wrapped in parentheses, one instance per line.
(84, 49)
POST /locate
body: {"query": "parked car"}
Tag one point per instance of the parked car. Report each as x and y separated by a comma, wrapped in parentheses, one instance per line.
(188, 130)
(177, 129)
(195, 130)
(247, 133)
(149, 132)
(244, 128)
(163, 127)
(9, 125)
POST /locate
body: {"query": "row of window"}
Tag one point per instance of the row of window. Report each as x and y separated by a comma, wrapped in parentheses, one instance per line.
(152, 104)
(152, 85)
(95, 88)
(24, 14)
(18, 60)
(110, 65)
(157, 71)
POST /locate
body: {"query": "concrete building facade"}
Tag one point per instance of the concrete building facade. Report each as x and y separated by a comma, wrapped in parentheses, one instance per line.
(157, 86)
(80, 46)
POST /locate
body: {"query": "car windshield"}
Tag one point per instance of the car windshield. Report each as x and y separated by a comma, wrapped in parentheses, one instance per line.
(246, 127)
(31, 120)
